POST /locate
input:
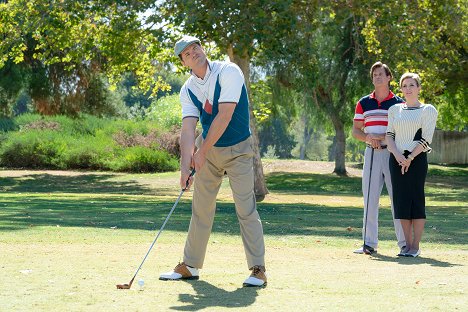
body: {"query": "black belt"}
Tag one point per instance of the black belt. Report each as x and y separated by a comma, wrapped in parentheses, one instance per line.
(381, 147)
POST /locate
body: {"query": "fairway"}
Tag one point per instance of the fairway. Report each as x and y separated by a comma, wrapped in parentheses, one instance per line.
(67, 238)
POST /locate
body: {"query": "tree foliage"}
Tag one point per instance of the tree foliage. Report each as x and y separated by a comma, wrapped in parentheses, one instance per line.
(427, 37)
(68, 42)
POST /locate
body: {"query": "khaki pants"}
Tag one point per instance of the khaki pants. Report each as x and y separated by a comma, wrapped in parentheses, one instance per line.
(237, 161)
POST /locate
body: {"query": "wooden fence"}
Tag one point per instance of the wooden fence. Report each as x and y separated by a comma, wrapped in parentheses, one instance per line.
(449, 147)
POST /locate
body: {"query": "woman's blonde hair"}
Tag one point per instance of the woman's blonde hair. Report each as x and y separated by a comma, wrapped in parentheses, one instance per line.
(411, 75)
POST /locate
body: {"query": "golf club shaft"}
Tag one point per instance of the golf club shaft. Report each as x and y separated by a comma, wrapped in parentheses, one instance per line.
(367, 201)
(165, 221)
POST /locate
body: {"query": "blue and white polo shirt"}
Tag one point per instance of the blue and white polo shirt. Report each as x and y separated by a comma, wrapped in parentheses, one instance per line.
(223, 83)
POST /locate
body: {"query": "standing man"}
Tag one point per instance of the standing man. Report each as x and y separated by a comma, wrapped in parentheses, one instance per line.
(370, 125)
(215, 94)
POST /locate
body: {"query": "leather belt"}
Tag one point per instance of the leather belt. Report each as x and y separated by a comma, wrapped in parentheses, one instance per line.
(381, 147)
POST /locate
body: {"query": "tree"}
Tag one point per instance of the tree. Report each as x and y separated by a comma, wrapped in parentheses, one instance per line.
(324, 60)
(427, 37)
(240, 29)
(13, 79)
(69, 41)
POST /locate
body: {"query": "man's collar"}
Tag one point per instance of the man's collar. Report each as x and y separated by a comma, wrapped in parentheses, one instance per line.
(389, 96)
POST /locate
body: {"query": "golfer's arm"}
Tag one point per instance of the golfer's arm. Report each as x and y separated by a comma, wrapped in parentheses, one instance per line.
(218, 126)
(187, 142)
(359, 134)
(357, 131)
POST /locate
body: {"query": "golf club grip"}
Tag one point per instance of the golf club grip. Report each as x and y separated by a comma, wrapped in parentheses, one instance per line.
(191, 175)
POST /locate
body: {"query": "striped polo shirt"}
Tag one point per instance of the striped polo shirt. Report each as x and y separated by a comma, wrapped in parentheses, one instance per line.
(410, 126)
(374, 113)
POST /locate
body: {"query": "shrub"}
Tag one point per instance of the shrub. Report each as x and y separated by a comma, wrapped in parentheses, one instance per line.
(59, 142)
(89, 152)
(170, 142)
(166, 111)
(137, 139)
(34, 149)
(143, 159)
(8, 124)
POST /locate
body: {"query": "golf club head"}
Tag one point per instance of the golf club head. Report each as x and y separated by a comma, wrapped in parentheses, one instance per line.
(125, 286)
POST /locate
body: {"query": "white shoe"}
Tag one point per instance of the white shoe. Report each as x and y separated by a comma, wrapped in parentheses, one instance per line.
(367, 250)
(258, 277)
(180, 272)
(402, 252)
(414, 254)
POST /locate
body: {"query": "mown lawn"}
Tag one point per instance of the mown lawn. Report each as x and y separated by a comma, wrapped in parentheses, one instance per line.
(66, 239)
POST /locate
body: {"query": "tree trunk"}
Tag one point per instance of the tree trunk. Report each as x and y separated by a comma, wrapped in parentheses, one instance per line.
(260, 188)
(340, 147)
(305, 137)
(323, 100)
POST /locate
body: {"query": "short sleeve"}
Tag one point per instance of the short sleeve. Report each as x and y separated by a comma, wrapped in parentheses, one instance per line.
(231, 80)
(358, 112)
(188, 107)
(391, 119)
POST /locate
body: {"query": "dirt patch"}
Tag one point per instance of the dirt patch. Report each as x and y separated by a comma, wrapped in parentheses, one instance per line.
(277, 165)
(292, 165)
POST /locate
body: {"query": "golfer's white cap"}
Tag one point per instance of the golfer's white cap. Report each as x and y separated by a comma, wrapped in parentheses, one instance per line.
(184, 42)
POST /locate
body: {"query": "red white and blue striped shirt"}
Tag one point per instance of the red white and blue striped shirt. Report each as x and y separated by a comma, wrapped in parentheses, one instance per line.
(373, 113)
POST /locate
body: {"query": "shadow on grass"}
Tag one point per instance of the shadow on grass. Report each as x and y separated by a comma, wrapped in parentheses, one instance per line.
(313, 184)
(118, 210)
(413, 261)
(209, 296)
(18, 213)
(85, 183)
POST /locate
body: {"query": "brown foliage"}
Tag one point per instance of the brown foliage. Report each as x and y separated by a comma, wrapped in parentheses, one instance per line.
(42, 125)
(170, 141)
(129, 140)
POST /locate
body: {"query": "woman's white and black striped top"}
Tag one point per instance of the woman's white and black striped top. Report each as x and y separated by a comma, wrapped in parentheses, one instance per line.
(410, 126)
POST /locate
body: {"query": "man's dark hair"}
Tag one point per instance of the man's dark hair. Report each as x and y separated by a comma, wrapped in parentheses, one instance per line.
(379, 64)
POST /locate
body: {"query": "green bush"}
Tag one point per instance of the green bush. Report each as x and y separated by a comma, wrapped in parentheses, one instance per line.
(90, 152)
(166, 111)
(34, 149)
(7, 124)
(143, 159)
(88, 142)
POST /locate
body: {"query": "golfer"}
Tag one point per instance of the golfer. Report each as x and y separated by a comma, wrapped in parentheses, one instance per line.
(370, 125)
(410, 129)
(215, 94)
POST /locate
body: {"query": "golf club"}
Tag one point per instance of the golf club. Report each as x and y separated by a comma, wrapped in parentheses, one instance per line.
(364, 249)
(127, 286)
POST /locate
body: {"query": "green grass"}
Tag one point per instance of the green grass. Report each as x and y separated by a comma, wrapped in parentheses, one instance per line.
(66, 239)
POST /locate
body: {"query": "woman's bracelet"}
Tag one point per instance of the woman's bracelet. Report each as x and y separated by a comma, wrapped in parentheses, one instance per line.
(410, 156)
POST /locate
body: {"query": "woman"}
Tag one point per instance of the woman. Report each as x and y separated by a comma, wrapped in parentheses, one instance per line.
(410, 129)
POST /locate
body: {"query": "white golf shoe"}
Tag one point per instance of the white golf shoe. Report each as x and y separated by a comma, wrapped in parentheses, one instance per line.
(180, 272)
(365, 250)
(257, 278)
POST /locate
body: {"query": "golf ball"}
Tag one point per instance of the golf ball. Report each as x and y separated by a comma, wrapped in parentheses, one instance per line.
(141, 282)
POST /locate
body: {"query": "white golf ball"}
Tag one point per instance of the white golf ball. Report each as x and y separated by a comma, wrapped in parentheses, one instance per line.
(141, 282)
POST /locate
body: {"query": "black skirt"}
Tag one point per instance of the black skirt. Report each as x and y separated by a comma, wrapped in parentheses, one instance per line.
(408, 189)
